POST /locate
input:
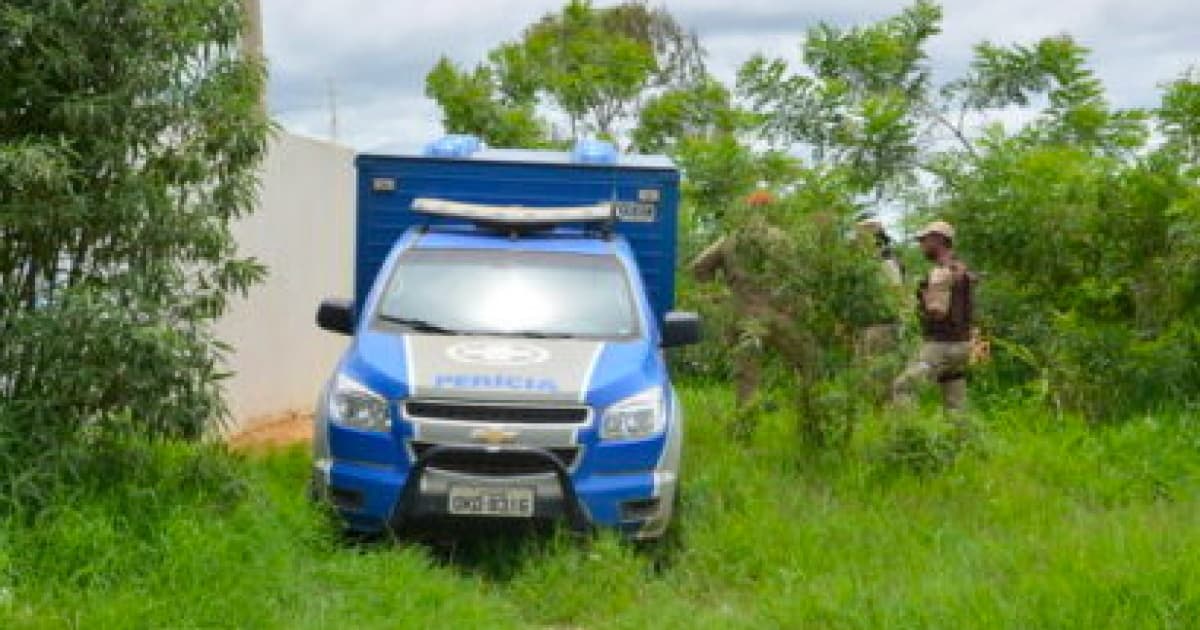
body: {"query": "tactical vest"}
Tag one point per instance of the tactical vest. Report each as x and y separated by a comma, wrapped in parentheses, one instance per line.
(957, 324)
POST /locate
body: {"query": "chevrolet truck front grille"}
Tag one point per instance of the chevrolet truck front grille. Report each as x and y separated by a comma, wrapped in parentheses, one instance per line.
(494, 413)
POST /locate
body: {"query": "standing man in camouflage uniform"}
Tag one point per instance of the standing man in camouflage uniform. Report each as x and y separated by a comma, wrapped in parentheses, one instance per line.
(761, 323)
(944, 305)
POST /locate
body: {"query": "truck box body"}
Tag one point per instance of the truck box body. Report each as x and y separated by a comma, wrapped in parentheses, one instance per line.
(504, 177)
(505, 370)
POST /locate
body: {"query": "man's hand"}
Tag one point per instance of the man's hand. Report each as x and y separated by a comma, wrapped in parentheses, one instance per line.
(981, 347)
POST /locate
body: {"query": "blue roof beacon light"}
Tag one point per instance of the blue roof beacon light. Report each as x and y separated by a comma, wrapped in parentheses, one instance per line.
(596, 152)
(453, 146)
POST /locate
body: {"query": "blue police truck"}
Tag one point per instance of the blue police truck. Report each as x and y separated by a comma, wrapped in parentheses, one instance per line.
(510, 314)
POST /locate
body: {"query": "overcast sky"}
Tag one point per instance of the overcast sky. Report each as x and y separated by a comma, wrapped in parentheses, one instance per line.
(376, 52)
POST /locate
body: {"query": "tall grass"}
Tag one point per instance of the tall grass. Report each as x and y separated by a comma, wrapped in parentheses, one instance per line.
(1037, 523)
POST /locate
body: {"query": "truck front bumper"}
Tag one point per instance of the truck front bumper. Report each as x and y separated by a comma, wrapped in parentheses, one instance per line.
(372, 497)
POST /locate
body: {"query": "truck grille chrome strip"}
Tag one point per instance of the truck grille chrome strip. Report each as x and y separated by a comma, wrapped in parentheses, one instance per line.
(507, 414)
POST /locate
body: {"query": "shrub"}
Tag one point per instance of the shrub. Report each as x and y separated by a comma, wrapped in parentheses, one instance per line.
(130, 135)
(1088, 272)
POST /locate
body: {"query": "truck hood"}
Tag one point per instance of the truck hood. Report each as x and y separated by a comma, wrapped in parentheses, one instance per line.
(563, 371)
(500, 368)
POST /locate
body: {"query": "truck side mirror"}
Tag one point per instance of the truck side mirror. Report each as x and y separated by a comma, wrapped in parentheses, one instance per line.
(336, 315)
(681, 329)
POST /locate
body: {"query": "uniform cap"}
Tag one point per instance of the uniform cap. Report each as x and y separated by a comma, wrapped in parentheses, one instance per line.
(937, 227)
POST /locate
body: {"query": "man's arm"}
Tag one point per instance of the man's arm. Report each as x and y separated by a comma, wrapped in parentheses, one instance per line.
(704, 267)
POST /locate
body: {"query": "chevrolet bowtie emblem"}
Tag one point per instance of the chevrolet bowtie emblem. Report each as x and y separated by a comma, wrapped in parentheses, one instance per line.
(494, 436)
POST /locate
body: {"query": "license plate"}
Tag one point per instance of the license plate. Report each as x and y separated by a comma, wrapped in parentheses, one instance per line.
(489, 501)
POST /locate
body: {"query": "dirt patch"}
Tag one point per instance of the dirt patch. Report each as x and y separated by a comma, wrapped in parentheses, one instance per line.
(277, 431)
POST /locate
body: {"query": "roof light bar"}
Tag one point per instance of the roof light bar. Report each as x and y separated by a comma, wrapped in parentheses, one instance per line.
(513, 215)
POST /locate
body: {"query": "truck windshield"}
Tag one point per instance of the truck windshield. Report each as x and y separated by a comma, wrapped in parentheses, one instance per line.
(510, 293)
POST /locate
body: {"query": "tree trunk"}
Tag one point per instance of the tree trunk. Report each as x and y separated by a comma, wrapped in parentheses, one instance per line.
(252, 39)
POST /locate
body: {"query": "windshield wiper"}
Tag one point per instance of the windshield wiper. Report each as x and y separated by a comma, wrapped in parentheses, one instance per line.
(534, 334)
(420, 325)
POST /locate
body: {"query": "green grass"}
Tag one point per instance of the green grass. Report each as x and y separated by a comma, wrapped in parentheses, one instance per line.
(1040, 523)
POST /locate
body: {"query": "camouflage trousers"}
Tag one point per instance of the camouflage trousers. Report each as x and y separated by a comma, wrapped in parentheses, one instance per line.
(876, 340)
(749, 363)
(938, 361)
(757, 333)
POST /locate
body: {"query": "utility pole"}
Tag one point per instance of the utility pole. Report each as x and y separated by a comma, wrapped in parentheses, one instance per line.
(252, 38)
(333, 110)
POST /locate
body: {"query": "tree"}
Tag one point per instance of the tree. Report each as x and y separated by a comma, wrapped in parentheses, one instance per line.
(678, 55)
(1054, 67)
(1087, 233)
(860, 104)
(1179, 117)
(702, 111)
(130, 134)
(591, 66)
(471, 105)
(591, 73)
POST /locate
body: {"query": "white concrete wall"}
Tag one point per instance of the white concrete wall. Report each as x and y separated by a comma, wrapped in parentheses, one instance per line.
(303, 231)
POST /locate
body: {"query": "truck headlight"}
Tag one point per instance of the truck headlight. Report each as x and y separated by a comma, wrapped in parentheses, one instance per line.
(639, 416)
(351, 404)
